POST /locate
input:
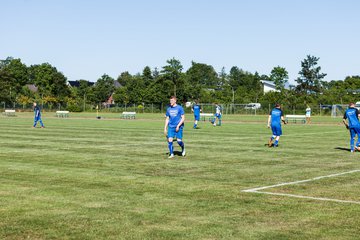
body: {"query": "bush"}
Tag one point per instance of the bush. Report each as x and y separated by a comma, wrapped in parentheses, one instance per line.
(73, 108)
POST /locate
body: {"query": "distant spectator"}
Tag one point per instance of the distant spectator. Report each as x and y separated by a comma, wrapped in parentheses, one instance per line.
(308, 114)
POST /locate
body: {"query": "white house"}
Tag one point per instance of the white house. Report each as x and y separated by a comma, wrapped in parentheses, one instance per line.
(270, 86)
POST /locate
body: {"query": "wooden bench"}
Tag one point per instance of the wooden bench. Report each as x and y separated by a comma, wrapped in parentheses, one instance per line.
(63, 114)
(204, 116)
(128, 115)
(9, 112)
(295, 118)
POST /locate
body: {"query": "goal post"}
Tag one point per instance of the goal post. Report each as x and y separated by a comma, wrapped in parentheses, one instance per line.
(338, 110)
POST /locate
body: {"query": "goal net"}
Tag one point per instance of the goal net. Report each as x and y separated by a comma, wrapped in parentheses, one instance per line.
(338, 110)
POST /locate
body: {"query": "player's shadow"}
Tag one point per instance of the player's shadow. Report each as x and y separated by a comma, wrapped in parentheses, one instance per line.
(177, 153)
(343, 149)
(267, 145)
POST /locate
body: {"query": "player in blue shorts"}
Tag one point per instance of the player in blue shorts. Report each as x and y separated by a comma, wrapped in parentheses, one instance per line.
(217, 115)
(174, 125)
(37, 115)
(276, 116)
(351, 121)
(196, 109)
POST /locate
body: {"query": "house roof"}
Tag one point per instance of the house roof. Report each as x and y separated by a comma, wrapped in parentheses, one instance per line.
(117, 84)
(77, 83)
(32, 87)
(271, 84)
(268, 83)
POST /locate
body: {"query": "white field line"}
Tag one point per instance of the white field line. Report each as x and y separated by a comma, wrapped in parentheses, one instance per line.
(258, 189)
(308, 197)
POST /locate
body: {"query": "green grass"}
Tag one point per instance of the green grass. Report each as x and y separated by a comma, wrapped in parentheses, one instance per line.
(82, 178)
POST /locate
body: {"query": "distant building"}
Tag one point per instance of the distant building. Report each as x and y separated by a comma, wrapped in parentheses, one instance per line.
(77, 83)
(269, 86)
(32, 88)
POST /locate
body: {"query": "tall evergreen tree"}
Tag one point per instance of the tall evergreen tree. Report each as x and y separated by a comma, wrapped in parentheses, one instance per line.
(172, 71)
(310, 76)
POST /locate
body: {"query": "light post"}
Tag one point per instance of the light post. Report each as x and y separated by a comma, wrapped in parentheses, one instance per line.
(84, 101)
(233, 97)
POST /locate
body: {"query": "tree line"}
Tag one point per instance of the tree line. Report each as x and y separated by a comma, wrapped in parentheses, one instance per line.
(200, 81)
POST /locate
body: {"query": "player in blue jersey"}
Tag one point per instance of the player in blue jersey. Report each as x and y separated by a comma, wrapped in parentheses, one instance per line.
(196, 109)
(276, 116)
(217, 115)
(351, 121)
(174, 125)
(37, 115)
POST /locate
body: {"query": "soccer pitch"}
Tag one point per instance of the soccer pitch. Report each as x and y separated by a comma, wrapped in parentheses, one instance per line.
(83, 178)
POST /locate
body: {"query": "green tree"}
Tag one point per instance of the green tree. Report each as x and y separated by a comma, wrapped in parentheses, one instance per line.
(172, 71)
(121, 95)
(136, 89)
(147, 74)
(280, 77)
(17, 76)
(202, 74)
(49, 80)
(124, 78)
(199, 76)
(310, 76)
(103, 89)
(5, 86)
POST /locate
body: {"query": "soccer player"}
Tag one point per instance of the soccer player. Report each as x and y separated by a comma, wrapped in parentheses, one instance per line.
(196, 109)
(275, 117)
(351, 121)
(37, 115)
(174, 124)
(217, 115)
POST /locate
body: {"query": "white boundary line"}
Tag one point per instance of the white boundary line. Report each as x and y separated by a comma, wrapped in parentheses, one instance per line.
(258, 189)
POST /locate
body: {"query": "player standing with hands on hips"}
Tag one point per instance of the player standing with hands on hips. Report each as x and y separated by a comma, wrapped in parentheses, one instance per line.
(276, 116)
(352, 123)
(37, 116)
(174, 125)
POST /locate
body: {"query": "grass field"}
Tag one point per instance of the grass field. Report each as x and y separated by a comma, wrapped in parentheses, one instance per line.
(82, 178)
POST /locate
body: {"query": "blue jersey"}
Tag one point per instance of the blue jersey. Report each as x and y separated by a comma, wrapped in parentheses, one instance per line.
(174, 114)
(37, 112)
(351, 114)
(276, 114)
(196, 108)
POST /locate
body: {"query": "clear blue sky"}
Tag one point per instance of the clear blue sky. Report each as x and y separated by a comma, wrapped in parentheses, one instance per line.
(86, 38)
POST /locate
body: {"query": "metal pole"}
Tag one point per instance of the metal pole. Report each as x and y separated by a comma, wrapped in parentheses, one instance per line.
(84, 102)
